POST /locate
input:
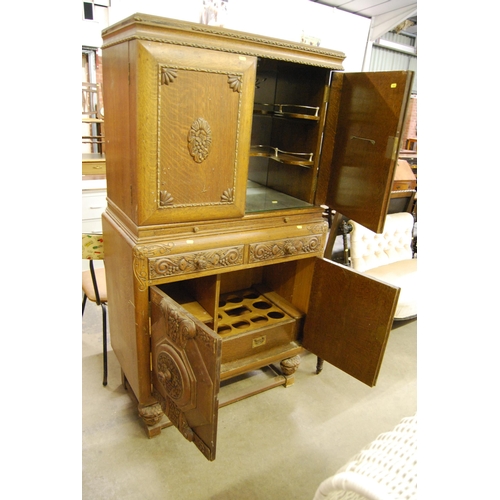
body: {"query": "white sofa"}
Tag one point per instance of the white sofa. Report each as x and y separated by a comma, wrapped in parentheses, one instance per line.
(389, 257)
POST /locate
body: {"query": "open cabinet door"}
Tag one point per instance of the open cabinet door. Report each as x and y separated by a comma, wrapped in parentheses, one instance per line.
(349, 319)
(186, 358)
(364, 142)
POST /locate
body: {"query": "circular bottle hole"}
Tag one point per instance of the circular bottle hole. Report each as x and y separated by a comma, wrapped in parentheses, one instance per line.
(241, 324)
(275, 314)
(251, 295)
(222, 303)
(234, 300)
(223, 329)
(259, 319)
(262, 305)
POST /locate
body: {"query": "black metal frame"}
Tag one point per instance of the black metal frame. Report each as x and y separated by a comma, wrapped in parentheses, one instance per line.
(104, 321)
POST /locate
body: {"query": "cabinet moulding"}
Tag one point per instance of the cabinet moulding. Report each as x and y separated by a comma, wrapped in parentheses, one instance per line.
(246, 52)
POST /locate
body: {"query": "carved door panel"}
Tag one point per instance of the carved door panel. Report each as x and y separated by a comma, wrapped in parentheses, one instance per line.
(186, 358)
(194, 111)
(371, 115)
(349, 319)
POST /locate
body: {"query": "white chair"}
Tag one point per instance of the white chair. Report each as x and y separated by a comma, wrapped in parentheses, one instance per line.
(389, 257)
(384, 470)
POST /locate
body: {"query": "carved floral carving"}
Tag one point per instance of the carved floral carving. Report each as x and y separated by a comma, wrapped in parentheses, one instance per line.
(276, 249)
(141, 255)
(169, 376)
(199, 140)
(196, 261)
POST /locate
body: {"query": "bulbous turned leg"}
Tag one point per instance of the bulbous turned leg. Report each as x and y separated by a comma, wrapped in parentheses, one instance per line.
(288, 367)
(150, 414)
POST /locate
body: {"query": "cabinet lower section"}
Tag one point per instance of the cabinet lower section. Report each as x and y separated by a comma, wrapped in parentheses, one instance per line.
(190, 313)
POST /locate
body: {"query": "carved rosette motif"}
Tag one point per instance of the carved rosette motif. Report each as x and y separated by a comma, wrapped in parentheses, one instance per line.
(141, 255)
(196, 261)
(199, 140)
(169, 375)
(276, 249)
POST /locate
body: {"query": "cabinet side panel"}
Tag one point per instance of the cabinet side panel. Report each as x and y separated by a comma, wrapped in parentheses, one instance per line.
(118, 140)
(128, 313)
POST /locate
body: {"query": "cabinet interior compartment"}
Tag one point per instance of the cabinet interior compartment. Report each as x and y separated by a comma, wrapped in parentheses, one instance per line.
(256, 311)
(287, 126)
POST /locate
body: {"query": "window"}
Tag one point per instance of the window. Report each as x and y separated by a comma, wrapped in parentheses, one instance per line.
(88, 10)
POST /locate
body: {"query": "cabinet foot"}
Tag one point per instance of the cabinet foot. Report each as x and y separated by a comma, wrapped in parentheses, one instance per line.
(288, 367)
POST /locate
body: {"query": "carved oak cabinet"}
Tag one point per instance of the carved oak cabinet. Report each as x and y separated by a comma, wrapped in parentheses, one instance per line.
(221, 148)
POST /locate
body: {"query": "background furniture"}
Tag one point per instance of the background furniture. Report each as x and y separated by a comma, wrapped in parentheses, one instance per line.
(386, 468)
(222, 148)
(389, 257)
(94, 287)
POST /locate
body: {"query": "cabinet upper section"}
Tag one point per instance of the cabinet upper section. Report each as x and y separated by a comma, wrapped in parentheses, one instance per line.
(206, 123)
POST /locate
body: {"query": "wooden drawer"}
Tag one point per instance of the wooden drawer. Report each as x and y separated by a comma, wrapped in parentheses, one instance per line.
(93, 204)
(92, 226)
(404, 185)
(93, 167)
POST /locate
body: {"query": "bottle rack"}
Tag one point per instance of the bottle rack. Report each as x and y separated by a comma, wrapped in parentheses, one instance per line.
(288, 111)
(287, 157)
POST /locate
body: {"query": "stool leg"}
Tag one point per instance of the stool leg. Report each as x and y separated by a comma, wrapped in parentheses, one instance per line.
(104, 346)
(319, 365)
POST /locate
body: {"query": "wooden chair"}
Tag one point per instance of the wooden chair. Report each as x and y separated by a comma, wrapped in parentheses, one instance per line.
(94, 287)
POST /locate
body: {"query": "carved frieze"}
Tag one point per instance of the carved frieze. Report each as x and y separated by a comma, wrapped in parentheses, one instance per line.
(172, 265)
(141, 255)
(271, 250)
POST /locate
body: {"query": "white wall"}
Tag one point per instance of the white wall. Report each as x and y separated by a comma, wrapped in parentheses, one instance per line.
(185, 10)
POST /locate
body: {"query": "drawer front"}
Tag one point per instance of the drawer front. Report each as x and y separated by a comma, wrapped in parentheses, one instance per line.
(93, 167)
(92, 226)
(289, 247)
(93, 205)
(186, 263)
(255, 341)
(403, 185)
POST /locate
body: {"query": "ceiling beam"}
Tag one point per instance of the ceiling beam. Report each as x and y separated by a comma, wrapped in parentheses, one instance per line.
(386, 22)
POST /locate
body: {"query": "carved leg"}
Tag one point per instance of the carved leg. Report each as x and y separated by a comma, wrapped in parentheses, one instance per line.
(289, 367)
(319, 365)
(150, 414)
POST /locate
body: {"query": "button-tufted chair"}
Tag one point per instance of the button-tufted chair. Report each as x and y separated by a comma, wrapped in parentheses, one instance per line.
(389, 257)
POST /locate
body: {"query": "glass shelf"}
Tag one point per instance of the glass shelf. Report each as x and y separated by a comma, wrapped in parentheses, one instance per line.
(263, 199)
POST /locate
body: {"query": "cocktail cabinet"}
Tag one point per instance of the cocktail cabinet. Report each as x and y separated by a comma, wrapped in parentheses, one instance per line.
(222, 150)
